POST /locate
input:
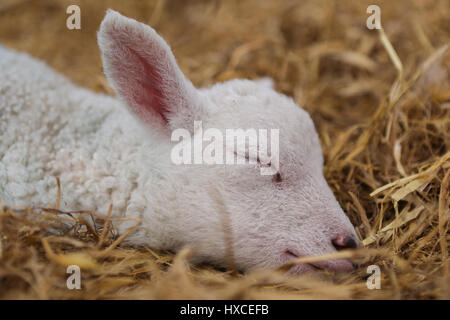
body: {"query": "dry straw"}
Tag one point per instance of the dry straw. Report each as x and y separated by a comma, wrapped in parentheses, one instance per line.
(380, 101)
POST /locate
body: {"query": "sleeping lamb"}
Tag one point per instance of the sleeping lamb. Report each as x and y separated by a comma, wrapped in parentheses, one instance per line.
(108, 150)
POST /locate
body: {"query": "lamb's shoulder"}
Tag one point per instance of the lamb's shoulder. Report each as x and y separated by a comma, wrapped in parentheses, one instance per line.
(34, 100)
(48, 128)
(27, 95)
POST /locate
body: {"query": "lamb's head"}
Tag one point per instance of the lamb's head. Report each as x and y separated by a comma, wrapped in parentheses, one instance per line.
(277, 204)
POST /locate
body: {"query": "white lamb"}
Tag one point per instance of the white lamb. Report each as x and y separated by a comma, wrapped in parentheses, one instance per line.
(110, 151)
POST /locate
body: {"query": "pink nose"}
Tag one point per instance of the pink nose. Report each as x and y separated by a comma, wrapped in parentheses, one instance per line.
(344, 242)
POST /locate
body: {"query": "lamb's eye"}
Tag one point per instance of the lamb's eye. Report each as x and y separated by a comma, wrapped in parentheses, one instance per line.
(277, 177)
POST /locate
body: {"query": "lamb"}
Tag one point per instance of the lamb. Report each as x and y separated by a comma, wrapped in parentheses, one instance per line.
(116, 151)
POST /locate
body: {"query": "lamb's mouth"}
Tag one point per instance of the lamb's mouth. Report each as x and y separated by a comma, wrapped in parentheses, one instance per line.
(338, 265)
(292, 256)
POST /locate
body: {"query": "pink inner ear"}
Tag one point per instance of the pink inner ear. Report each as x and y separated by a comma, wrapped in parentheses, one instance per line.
(141, 68)
(139, 83)
(146, 91)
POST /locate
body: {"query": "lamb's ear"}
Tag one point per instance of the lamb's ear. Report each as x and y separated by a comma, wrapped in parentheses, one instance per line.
(142, 69)
(266, 82)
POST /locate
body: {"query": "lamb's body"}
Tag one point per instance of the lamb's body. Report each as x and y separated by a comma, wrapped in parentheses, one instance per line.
(105, 152)
(51, 128)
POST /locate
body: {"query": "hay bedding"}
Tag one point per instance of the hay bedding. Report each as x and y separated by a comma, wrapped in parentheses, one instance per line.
(380, 101)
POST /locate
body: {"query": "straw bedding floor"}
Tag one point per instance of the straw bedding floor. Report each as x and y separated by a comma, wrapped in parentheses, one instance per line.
(381, 103)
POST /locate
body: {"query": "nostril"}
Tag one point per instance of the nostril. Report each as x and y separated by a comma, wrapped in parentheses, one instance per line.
(351, 243)
(344, 242)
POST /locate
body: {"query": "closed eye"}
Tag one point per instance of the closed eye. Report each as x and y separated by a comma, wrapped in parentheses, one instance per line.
(277, 178)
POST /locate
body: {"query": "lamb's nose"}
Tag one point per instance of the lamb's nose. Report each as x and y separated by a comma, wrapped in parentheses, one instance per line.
(344, 242)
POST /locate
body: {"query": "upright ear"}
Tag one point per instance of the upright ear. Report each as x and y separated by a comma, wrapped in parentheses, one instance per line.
(142, 70)
(266, 82)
